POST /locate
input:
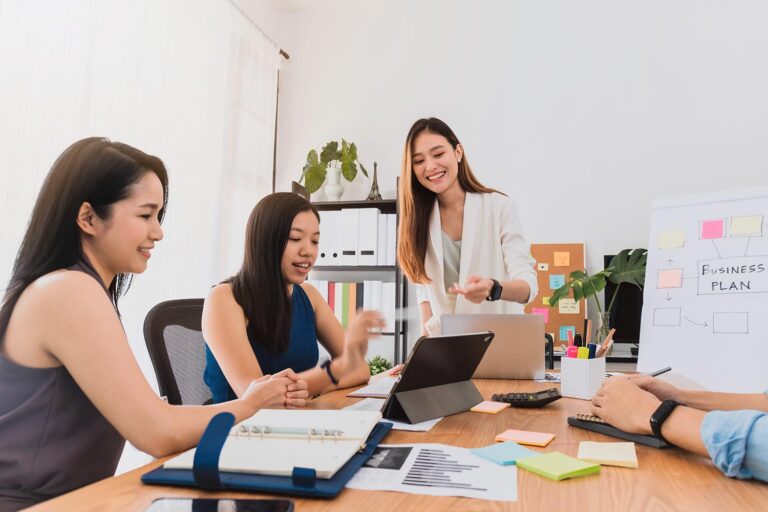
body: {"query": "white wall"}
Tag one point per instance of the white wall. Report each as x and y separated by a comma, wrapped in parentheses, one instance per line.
(583, 111)
(186, 81)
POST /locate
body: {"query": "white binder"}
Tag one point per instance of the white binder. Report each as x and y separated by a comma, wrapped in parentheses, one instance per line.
(381, 254)
(367, 236)
(391, 238)
(348, 226)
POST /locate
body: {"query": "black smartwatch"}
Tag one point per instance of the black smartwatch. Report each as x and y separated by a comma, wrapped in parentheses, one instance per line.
(495, 291)
(327, 367)
(660, 415)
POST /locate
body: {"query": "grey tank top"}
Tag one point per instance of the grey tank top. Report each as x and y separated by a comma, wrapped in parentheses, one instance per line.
(52, 438)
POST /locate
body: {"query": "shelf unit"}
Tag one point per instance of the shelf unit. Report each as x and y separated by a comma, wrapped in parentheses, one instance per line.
(385, 206)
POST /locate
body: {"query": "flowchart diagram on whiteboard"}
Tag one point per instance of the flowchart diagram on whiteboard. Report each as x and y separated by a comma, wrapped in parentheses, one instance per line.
(705, 301)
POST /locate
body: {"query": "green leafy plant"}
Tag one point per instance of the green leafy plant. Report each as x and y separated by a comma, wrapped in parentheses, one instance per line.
(628, 266)
(316, 169)
(378, 364)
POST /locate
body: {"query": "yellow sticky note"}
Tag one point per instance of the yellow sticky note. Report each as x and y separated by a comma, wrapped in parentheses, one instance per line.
(526, 437)
(747, 226)
(609, 454)
(489, 406)
(670, 278)
(671, 239)
(545, 301)
(562, 259)
(568, 307)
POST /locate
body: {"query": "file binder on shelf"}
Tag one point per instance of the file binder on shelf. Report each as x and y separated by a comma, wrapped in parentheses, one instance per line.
(303, 481)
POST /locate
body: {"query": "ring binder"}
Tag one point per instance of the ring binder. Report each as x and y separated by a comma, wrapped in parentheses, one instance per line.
(263, 431)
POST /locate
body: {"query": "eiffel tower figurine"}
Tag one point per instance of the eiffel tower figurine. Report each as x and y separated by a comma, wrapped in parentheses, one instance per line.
(374, 194)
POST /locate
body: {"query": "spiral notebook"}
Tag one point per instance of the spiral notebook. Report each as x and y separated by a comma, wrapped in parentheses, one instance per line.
(275, 441)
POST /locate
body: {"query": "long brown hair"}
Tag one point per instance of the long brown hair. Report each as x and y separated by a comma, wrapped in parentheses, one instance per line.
(94, 170)
(259, 287)
(416, 202)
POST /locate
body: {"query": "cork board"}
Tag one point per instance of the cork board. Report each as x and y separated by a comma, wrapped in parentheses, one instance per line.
(554, 262)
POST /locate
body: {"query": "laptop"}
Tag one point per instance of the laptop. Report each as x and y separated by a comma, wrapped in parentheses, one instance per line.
(517, 350)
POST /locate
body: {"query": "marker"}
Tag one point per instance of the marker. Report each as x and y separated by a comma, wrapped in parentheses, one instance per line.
(570, 337)
(659, 372)
(583, 353)
(592, 350)
(573, 351)
(578, 340)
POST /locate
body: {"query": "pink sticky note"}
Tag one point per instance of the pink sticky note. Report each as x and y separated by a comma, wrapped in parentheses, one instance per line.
(543, 312)
(489, 406)
(525, 437)
(670, 278)
(712, 229)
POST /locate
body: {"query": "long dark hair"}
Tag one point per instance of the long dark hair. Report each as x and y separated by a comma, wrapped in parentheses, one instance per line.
(94, 170)
(416, 201)
(259, 287)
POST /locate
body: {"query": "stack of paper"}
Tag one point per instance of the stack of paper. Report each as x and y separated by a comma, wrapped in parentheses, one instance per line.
(609, 454)
(558, 466)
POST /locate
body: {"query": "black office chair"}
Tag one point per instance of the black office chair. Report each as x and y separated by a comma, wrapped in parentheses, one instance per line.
(176, 346)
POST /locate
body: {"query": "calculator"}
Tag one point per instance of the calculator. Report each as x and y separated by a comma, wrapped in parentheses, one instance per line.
(536, 399)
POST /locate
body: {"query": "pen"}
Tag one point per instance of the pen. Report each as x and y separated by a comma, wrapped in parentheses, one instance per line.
(659, 372)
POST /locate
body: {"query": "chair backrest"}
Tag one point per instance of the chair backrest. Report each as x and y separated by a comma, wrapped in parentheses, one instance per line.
(176, 346)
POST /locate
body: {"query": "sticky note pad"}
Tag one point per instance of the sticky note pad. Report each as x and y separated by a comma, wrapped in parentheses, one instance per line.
(525, 437)
(545, 301)
(556, 281)
(670, 278)
(564, 332)
(542, 267)
(711, 229)
(747, 226)
(609, 454)
(504, 454)
(562, 259)
(671, 239)
(558, 466)
(568, 306)
(543, 312)
(489, 406)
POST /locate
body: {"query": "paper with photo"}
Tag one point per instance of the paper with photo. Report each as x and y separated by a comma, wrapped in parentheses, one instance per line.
(375, 404)
(435, 470)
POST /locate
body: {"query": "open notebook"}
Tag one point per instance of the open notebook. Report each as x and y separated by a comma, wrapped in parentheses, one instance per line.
(274, 441)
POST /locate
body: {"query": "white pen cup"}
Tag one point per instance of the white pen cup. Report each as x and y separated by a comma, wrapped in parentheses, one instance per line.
(581, 378)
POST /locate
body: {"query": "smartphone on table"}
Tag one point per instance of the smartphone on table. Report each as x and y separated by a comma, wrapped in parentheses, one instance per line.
(219, 505)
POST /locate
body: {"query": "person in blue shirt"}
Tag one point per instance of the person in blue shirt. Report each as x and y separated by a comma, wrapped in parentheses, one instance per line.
(731, 428)
(266, 318)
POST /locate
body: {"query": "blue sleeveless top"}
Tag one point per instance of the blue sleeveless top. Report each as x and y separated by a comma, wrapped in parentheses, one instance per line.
(302, 353)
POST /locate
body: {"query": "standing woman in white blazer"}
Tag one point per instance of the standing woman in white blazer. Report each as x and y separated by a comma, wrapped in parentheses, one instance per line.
(459, 241)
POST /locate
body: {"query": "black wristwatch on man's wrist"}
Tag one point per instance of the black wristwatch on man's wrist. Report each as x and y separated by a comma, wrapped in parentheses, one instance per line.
(495, 291)
(660, 415)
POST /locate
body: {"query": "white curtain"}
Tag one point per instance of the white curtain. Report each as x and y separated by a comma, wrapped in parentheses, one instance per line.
(193, 82)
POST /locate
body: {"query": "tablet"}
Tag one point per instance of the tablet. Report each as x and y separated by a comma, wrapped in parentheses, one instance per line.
(441, 367)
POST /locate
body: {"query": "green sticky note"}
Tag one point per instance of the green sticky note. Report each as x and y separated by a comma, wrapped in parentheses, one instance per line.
(558, 466)
(504, 453)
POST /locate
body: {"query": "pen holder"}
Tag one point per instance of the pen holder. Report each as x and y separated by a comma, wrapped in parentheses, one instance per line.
(581, 378)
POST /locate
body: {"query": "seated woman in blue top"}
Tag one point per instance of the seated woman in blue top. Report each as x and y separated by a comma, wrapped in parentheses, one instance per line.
(265, 318)
(730, 428)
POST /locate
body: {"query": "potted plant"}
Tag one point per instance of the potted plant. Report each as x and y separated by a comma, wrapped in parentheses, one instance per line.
(332, 163)
(628, 266)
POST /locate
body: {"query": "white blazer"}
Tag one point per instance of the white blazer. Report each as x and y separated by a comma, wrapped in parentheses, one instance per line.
(492, 245)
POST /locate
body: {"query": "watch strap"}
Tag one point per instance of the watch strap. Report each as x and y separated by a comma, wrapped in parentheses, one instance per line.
(660, 415)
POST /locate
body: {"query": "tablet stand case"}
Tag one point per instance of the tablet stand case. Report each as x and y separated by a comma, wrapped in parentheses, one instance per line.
(456, 354)
(304, 482)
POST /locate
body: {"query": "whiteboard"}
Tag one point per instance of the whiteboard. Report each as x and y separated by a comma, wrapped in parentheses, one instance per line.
(705, 301)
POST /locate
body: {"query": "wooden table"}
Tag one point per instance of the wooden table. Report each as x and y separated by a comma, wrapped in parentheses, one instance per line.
(666, 479)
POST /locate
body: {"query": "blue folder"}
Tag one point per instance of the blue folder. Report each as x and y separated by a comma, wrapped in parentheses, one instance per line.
(304, 482)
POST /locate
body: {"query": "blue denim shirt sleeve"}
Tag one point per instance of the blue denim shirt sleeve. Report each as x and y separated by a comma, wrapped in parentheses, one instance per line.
(737, 441)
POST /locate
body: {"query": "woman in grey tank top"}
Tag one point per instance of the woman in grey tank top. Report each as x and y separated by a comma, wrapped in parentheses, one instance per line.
(71, 391)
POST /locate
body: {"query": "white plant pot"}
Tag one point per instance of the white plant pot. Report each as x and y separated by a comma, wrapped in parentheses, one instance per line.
(333, 188)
